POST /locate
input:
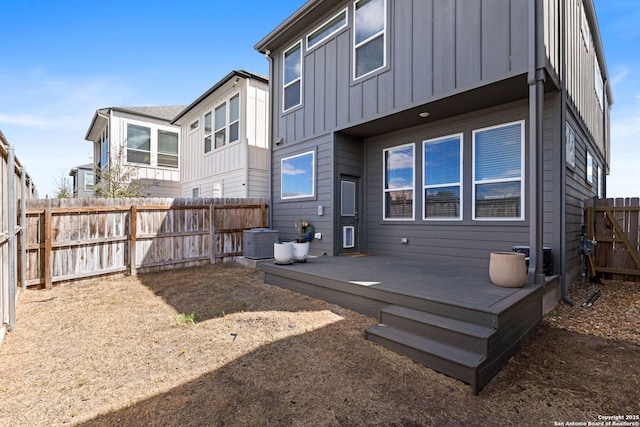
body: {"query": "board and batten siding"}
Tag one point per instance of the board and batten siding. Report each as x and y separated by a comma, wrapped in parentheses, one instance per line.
(434, 50)
(468, 239)
(581, 60)
(239, 167)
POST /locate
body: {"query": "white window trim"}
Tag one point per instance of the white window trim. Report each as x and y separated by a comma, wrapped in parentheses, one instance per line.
(571, 145)
(149, 151)
(216, 130)
(345, 229)
(194, 125)
(286, 85)
(589, 178)
(230, 123)
(93, 178)
(313, 176)
(459, 184)
(332, 33)
(412, 188)
(209, 134)
(521, 179)
(364, 42)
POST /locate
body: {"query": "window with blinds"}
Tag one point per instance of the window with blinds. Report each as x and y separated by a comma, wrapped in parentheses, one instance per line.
(443, 178)
(498, 172)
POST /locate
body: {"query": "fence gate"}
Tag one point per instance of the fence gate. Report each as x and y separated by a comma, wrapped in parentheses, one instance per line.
(615, 224)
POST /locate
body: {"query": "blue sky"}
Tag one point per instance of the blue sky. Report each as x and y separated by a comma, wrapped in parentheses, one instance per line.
(62, 60)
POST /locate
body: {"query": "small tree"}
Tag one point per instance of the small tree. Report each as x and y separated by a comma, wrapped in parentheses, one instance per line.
(118, 180)
(64, 188)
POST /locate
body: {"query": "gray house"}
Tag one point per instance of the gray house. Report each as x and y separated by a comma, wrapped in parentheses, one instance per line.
(83, 181)
(440, 129)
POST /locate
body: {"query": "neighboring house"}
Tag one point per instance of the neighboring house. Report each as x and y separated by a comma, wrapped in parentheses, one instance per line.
(225, 149)
(142, 139)
(83, 181)
(439, 128)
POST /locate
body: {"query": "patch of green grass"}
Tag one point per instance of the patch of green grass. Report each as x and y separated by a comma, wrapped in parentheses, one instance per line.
(185, 319)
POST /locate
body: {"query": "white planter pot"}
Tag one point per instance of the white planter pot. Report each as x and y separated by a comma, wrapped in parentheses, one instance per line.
(300, 251)
(283, 253)
(508, 269)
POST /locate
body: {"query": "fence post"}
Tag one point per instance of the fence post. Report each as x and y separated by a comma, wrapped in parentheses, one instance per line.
(132, 239)
(11, 228)
(23, 229)
(48, 250)
(212, 228)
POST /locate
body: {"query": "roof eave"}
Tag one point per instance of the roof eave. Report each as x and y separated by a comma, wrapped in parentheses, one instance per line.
(235, 73)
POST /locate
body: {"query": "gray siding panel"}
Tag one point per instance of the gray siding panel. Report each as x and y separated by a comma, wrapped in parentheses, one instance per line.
(402, 52)
(495, 38)
(444, 46)
(468, 46)
(422, 47)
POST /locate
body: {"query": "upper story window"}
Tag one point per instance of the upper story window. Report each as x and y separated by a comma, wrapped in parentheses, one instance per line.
(369, 36)
(398, 182)
(104, 148)
(498, 172)
(443, 178)
(221, 125)
(327, 29)
(227, 122)
(167, 149)
(138, 144)
(297, 176)
(194, 125)
(207, 132)
(292, 77)
(571, 146)
(598, 83)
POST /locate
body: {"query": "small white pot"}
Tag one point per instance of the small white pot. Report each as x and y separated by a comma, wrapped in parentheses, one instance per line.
(300, 251)
(283, 253)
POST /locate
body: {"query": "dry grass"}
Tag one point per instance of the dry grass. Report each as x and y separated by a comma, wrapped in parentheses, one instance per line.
(118, 352)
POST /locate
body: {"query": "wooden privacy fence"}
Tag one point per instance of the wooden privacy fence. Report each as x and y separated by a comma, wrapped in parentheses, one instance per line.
(70, 239)
(615, 224)
(15, 187)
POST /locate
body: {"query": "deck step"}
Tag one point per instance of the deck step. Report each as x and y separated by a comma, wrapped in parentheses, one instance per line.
(466, 335)
(447, 359)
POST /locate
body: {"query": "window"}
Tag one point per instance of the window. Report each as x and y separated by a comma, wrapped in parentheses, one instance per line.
(167, 149)
(443, 178)
(600, 181)
(194, 125)
(398, 182)
(89, 181)
(498, 172)
(369, 36)
(571, 146)
(589, 168)
(327, 29)
(104, 148)
(584, 28)
(292, 77)
(221, 125)
(298, 176)
(195, 192)
(598, 84)
(234, 118)
(207, 132)
(138, 144)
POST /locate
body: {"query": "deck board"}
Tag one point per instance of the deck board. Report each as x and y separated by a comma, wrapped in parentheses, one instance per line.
(463, 286)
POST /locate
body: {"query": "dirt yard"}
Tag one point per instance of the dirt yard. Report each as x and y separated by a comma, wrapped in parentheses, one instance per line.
(215, 346)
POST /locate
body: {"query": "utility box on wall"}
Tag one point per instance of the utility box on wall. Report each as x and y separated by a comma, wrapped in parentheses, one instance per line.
(257, 243)
(547, 258)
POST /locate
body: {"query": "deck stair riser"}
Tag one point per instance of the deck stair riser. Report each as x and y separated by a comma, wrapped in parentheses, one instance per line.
(447, 359)
(459, 333)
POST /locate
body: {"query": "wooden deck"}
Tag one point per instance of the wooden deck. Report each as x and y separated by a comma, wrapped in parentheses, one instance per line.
(448, 317)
